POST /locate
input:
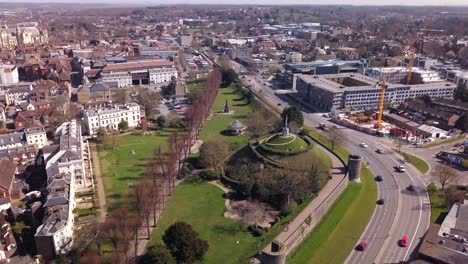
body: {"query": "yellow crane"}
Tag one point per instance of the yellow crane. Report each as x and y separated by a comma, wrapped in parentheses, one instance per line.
(378, 124)
(410, 69)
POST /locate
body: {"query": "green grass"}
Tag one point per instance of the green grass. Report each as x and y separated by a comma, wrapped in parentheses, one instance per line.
(195, 87)
(219, 122)
(202, 205)
(86, 212)
(444, 141)
(339, 150)
(417, 162)
(119, 169)
(295, 144)
(339, 231)
(439, 207)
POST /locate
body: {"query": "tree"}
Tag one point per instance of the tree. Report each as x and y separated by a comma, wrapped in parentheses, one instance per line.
(161, 121)
(149, 100)
(184, 243)
(213, 153)
(453, 195)
(228, 77)
(123, 125)
(120, 96)
(294, 114)
(19, 228)
(444, 174)
(101, 133)
(336, 136)
(157, 254)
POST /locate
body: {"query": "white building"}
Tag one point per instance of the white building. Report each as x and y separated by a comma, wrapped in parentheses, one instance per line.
(36, 136)
(356, 92)
(294, 57)
(65, 176)
(400, 74)
(8, 74)
(110, 116)
(18, 94)
(139, 72)
(30, 33)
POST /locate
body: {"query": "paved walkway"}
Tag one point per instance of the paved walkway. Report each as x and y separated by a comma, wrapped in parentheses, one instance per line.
(338, 173)
(100, 184)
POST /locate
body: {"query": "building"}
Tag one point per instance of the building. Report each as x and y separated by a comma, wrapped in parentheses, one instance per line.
(18, 94)
(65, 168)
(36, 136)
(7, 39)
(29, 33)
(8, 74)
(110, 116)
(139, 72)
(7, 179)
(400, 74)
(446, 243)
(8, 244)
(98, 91)
(294, 57)
(323, 67)
(356, 91)
(240, 52)
(185, 40)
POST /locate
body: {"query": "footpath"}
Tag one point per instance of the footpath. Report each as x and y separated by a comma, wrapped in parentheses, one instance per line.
(289, 235)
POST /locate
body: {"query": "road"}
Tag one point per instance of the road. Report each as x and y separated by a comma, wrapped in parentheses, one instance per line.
(404, 212)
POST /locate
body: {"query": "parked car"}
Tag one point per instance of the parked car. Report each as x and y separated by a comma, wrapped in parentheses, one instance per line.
(380, 201)
(378, 178)
(381, 151)
(404, 241)
(361, 247)
(364, 145)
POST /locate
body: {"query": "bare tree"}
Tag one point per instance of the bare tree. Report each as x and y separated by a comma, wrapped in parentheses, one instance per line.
(336, 136)
(444, 174)
(111, 232)
(213, 153)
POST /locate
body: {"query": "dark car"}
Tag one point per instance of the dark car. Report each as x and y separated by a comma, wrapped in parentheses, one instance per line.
(279, 104)
(380, 201)
(378, 178)
(361, 247)
(411, 188)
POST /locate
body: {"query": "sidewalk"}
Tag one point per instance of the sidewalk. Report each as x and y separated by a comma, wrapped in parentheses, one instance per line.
(100, 185)
(338, 173)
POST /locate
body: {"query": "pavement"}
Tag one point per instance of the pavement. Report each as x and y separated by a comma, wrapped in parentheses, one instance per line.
(404, 212)
(100, 187)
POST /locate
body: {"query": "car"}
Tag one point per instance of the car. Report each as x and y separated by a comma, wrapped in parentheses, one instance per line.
(404, 241)
(322, 125)
(378, 178)
(411, 188)
(336, 126)
(401, 168)
(380, 201)
(279, 104)
(381, 151)
(361, 247)
(364, 145)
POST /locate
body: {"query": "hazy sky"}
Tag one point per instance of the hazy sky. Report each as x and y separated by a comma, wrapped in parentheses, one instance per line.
(281, 2)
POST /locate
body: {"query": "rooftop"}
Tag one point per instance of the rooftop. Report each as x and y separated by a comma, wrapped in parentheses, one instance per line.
(137, 65)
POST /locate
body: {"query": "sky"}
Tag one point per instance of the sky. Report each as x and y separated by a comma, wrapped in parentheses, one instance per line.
(265, 2)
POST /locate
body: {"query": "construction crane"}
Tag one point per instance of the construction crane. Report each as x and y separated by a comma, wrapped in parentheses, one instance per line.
(410, 69)
(378, 124)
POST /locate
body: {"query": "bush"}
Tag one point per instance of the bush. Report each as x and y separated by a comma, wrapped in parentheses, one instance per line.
(431, 187)
(184, 243)
(157, 254)
(210, 175)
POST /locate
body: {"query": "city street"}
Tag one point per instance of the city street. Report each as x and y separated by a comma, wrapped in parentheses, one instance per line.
(404, 213)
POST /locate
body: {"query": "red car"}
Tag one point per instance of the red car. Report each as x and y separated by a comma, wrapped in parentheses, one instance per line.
(362, 246)
(404, 241)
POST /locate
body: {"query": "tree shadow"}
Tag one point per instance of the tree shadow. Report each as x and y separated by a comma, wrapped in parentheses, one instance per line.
(441, 218)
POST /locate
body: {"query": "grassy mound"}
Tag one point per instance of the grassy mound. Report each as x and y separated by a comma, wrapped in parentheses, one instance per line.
(278, 144)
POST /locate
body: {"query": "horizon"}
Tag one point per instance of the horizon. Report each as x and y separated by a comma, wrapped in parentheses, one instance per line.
(389, 3)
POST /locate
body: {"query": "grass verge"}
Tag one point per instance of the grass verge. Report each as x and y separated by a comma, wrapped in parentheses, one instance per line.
(439, 207)
(337, 234)
(339, 150)
(442, 142)
(417, 162)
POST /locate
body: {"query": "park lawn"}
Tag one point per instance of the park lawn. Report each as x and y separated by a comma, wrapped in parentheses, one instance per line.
(339, 150)
(417, 162)
(195, 87)
(215, 126)
(202, 205)
(294, 144)
(119, 169)
(338, 232)
(439, 207)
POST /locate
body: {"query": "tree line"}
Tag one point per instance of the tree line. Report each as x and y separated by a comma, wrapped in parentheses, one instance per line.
(128, 224)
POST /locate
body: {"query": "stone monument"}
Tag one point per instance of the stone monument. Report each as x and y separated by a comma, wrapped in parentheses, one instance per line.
(226, 107)
(285, 132)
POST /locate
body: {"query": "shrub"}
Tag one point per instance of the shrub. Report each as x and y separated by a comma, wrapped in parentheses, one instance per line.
(432, 187)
